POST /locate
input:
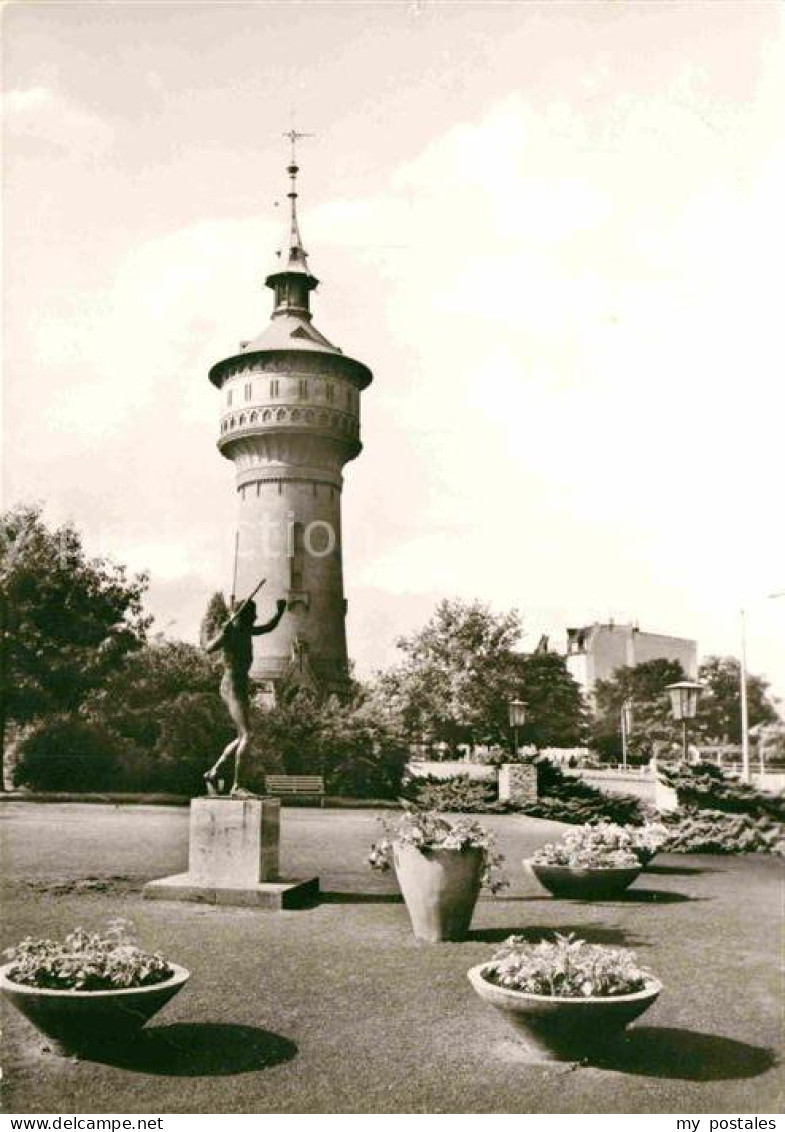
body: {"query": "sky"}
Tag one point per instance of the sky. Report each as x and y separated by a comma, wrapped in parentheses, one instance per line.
(552, 230)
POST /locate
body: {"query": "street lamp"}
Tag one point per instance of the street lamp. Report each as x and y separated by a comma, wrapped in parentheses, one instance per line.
(684, 704)
(626, 728)
(517, 718)
(745, 722)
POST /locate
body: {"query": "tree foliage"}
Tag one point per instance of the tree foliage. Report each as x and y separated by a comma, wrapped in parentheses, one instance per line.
(355, 744)
(460, 672)
(66, 620)
(160, 716)
(653, 726)
(719, 708)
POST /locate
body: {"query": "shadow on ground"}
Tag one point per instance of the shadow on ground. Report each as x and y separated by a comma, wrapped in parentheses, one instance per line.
(592, 933)
(677, 870)
(686, 1055)
(206, 1049)
(360, 898)
(652, 896)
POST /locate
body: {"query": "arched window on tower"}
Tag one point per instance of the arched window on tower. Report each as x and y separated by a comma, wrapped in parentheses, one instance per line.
(296, 551)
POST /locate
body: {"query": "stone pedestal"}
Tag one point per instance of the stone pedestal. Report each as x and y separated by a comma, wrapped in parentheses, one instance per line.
(233, 858)
(518, 783)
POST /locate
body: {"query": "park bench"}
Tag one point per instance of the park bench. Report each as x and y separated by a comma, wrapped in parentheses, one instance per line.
(296, 786)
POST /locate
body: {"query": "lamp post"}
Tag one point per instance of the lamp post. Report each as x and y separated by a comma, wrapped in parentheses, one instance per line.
(626, 728)
(517, 718)
(745, 722)
(684, 705)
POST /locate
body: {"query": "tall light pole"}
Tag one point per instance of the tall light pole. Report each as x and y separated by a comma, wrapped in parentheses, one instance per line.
(745, 723)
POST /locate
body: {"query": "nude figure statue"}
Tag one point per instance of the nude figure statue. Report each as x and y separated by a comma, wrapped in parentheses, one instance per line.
(234, 641)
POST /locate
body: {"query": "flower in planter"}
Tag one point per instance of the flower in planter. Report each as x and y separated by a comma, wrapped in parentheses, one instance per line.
(602, 846)
(87, 961)
(566, 967)
(429, 831)
(648, 839)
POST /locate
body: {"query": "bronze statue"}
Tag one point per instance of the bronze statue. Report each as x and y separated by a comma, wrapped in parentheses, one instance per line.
(234, 640)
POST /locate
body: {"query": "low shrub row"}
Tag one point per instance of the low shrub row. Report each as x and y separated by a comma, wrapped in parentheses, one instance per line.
(561, 798)
(704, 786)
(693, 830)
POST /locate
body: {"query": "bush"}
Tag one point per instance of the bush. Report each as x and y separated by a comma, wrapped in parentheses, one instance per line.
(704, 786)
(459, 794)
(193, 730)
(66, 752)
(715, 831)
(561, 798)
(568, 799)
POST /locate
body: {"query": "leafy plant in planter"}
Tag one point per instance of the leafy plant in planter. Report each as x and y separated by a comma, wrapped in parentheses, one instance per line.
(441, 865)
(566, 997)
(591, 861)
(90, 987)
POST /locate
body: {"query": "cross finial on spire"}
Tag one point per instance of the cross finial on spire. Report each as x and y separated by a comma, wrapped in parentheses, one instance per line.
(296, 251)
(294, 136)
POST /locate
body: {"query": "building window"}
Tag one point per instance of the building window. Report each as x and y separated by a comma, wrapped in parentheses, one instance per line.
(329, 391)
(248, 392)
(229, 398)
(274, 387)
(303, 387)
(296, 550)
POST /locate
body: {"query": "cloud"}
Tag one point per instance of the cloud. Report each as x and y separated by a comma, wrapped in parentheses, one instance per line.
(572, 320)
(43, 115)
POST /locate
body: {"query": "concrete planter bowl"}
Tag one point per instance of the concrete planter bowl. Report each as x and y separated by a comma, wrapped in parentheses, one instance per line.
(573, 883)
(440, 888)
(564, 1029)
(75, 1019)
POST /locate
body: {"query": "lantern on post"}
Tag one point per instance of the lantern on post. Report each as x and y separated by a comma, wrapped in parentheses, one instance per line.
(684, 705)
(517, 719)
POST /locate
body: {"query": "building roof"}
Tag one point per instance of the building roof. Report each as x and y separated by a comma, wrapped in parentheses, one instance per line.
(290, 331)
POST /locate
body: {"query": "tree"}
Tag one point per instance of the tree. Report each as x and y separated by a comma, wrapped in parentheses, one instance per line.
(653, 725)
(354, 744)
(461, 671)
(164, 699)
(556, 714)
(216, 613)
(719, 708)
(66, 620)
(457, 675)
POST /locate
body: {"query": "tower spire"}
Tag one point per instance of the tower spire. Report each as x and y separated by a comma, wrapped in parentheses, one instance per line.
(297, 254)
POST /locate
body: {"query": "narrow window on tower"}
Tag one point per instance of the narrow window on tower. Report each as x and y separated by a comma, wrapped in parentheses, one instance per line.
(229, 398)
(296, 557)
(248, 392)
(303, 387)
(274, 387)
(329, 392)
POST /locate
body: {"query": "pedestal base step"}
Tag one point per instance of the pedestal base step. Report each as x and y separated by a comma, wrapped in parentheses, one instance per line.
(274, 895)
